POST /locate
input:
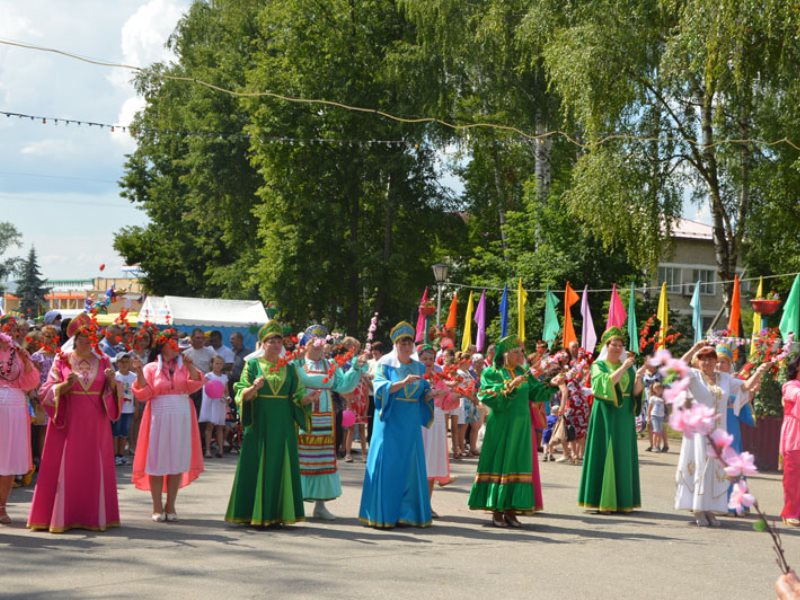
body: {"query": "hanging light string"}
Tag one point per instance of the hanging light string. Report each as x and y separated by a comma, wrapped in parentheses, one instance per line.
(113, 127)
(458, 127)
(512, 288)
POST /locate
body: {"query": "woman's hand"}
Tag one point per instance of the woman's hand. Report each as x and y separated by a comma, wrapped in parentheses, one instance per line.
(187, 360)
(408, 379)
(362, 359)
(258, 384)
(67, 384)
(629, 361)
(311, 398)
(136, 364)
(110, 376)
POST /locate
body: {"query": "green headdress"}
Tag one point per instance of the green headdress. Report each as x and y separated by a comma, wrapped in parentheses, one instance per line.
(270, 329)
(613, 333)
(504, 345)
(425, 348)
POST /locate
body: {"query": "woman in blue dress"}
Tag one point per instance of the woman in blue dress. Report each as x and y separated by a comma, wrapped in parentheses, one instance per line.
(395, 483)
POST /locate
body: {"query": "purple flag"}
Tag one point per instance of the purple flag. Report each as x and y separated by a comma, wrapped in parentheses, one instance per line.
(617, 317)
(420, 333)
(480, 320)
(588, 334)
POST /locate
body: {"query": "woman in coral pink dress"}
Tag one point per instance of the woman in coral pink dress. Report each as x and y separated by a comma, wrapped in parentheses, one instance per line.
(77, 484)
(790, 445)
(168, 452)
(17, 376)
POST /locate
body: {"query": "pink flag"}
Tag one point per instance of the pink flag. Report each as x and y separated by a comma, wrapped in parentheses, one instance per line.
(480, 321)
(420, 336)
(617, 317)
(588, 334)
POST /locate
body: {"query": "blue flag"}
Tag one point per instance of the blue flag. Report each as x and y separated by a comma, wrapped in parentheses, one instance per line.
(504, 312)
(697, 313)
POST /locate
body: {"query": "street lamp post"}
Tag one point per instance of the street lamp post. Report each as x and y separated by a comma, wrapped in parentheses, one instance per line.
(440, 276)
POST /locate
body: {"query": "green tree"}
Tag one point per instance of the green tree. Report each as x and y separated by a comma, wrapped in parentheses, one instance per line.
(31, 289)
(671, 81)
(295, 203)
(9, 237)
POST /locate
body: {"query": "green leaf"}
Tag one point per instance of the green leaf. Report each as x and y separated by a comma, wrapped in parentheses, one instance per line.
(760, 525)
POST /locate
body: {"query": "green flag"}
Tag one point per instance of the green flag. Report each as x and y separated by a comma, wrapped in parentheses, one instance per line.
(633, 328)
(551, 325)
(790, 321)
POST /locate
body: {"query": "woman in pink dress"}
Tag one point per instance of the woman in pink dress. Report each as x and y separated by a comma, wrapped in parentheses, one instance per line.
(17, 376)
(168, 452)
(77, 484)
(790, 445)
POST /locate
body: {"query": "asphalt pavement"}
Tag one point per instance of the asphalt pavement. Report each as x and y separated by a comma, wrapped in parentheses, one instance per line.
(563, 552)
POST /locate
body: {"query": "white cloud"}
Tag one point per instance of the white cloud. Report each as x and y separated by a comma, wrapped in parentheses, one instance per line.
(51, 148)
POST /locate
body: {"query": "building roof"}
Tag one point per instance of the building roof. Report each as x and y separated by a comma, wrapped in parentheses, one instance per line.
(694, 230)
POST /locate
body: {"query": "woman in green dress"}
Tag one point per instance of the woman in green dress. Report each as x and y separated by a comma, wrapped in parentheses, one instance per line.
(504, 481)
(272, 404)
(610, 476)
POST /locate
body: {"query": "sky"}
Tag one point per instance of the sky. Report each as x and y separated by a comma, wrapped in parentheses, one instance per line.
(58, 184)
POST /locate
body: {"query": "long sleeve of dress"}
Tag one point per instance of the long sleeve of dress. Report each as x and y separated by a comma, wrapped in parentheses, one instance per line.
(538, 391)
(493, 392)
(345, 382)
(603, 387)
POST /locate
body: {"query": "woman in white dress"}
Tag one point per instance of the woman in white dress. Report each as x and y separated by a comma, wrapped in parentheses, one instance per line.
(701, 483)
(434, 438)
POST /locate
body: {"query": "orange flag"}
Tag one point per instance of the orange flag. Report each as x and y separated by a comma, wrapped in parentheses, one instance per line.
(452, 323)
(570, 298)
(733, 321)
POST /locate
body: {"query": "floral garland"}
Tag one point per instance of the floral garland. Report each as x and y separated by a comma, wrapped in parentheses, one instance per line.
(692, 418)
(645, 337)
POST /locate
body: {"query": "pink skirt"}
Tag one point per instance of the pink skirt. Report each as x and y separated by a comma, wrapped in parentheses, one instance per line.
(15, 432)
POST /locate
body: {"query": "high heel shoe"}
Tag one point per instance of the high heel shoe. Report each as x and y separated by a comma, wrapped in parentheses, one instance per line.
(4, 518)
(171, 517)
(792, 522)
(159, 517)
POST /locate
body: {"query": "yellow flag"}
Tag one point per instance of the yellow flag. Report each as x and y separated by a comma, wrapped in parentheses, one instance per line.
(522, 299)
(663, 317)
(467, 339)
(757, 316)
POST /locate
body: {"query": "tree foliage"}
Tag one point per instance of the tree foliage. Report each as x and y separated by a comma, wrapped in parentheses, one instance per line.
(31, 289)
(9, 237)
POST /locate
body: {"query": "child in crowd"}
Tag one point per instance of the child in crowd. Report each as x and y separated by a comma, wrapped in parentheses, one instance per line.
(655, 418)
(213, 410)
(120, 428)
(552, 419)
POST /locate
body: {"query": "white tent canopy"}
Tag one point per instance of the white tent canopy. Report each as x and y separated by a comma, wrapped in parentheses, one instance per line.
(202, 312)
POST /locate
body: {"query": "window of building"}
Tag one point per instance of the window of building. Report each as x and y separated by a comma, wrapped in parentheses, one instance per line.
(707, 278)
(673, 277)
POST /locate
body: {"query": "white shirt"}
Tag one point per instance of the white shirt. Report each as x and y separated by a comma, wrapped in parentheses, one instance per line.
(226, 353)
(201, 358)
(127, 391)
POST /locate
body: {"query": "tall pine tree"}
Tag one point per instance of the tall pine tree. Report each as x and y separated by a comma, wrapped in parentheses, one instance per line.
(31, 289)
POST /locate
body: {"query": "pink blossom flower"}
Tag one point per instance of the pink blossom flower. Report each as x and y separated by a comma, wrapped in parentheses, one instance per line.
(676, 392)
(698, 418)
(741, 464)
(740, 498)
(721, 439)
(676, 366)
(660, 358)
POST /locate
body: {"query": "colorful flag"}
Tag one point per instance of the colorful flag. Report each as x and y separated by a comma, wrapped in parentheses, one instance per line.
(504, 312)
(697, 313)
(551, 326)
(663, 317)
(570, 298)
(588, 334)
(736, 309)
(452, 316)
(633, 328)
(421, 320)
(790, 321)
(616, 311)
(480, 321)
(466, 338)
(522, 299)
(757, 316)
